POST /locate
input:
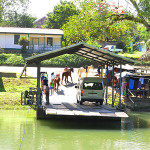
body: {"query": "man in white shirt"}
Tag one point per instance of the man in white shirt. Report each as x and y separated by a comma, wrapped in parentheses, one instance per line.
(52, 76)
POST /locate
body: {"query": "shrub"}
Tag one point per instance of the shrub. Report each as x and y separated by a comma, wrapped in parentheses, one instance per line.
(24, 42)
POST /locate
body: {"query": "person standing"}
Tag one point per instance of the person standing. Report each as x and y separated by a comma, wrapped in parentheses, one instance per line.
(45, 84)
(51, 86)
(42, 78)
(98, 70)
(52, 76)
(86, 70)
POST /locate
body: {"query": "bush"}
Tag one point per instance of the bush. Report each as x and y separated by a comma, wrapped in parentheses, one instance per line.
(12, 59)
(70, 60)
(1, 50)
(24, 42)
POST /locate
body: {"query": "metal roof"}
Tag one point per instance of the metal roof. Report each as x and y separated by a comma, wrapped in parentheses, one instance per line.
(13, 30)
(85, 50)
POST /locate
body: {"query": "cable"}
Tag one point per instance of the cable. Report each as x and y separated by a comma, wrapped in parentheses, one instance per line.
(24, 129)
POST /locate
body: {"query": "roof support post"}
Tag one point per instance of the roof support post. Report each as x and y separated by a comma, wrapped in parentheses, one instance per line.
(113, 86)
(120, 86)
(44, 43)
(25, 66)
(107, 85)
(38, 95)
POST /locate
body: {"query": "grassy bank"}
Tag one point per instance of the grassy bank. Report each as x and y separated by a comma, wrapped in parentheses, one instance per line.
(60, 61)
(10, 92)
(132, 55)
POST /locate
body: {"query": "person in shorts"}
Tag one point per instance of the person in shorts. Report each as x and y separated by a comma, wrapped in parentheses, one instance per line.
(51, 86)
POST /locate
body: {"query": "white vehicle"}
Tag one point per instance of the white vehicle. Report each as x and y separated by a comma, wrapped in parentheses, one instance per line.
(90, 89)
(112, 48)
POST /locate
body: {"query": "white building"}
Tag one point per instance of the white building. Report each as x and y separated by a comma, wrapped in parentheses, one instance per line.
(41, 40)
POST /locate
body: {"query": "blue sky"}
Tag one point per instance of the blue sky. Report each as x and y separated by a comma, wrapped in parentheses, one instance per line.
(39, 8)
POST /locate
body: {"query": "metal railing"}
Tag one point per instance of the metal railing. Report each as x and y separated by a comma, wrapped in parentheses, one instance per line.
(139, 98)
(41, 48)
(29, 97)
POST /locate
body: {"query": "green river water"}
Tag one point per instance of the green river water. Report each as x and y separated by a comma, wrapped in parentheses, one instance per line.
(20, 130)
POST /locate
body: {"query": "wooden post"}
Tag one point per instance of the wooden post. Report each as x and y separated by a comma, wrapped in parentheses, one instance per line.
(38, 86)
(44, 43)
(113, 86)
(120, 86)
(40, 113)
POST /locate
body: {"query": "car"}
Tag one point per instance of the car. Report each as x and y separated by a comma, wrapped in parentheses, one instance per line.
(112, 48)
(90, 89)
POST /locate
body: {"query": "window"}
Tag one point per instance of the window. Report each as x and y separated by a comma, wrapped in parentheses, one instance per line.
(92, 86)
(16, 39)
(50, 41)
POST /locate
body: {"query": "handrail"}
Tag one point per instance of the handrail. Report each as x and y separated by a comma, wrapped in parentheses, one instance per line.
(131, 100)
(131, 92)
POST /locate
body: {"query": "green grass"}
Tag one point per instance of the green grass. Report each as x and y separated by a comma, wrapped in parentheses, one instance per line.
(132, 55)
(10, 92)
(116, 102)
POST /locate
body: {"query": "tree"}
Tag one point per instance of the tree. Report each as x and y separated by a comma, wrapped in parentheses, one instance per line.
(25, 20)
(13, 13)
(93, 25)
(140, 15)
(19, 20)
(61, 14)
(9, 6)
(24, 42)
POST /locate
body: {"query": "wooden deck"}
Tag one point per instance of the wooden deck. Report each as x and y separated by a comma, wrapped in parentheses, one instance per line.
(64, 104)
(87, 110)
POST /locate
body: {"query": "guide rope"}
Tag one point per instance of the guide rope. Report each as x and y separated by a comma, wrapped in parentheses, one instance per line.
(24, 129)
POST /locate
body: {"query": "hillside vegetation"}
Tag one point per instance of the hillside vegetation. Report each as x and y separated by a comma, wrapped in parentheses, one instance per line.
(71, 60)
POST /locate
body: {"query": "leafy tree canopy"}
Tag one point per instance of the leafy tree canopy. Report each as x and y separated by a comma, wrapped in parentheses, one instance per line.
(61, 14)
(9, 6)
(141, 13)
(93, 24)
(19, 20)
(13, 13)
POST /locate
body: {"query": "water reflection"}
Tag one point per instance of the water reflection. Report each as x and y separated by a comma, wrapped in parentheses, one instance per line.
(136, 121)
(82, 124)
(131, 133)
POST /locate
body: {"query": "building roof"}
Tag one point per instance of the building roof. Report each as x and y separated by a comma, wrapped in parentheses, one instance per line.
(12, 30)
(85, 50)
(38, 23)
(39, 19)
